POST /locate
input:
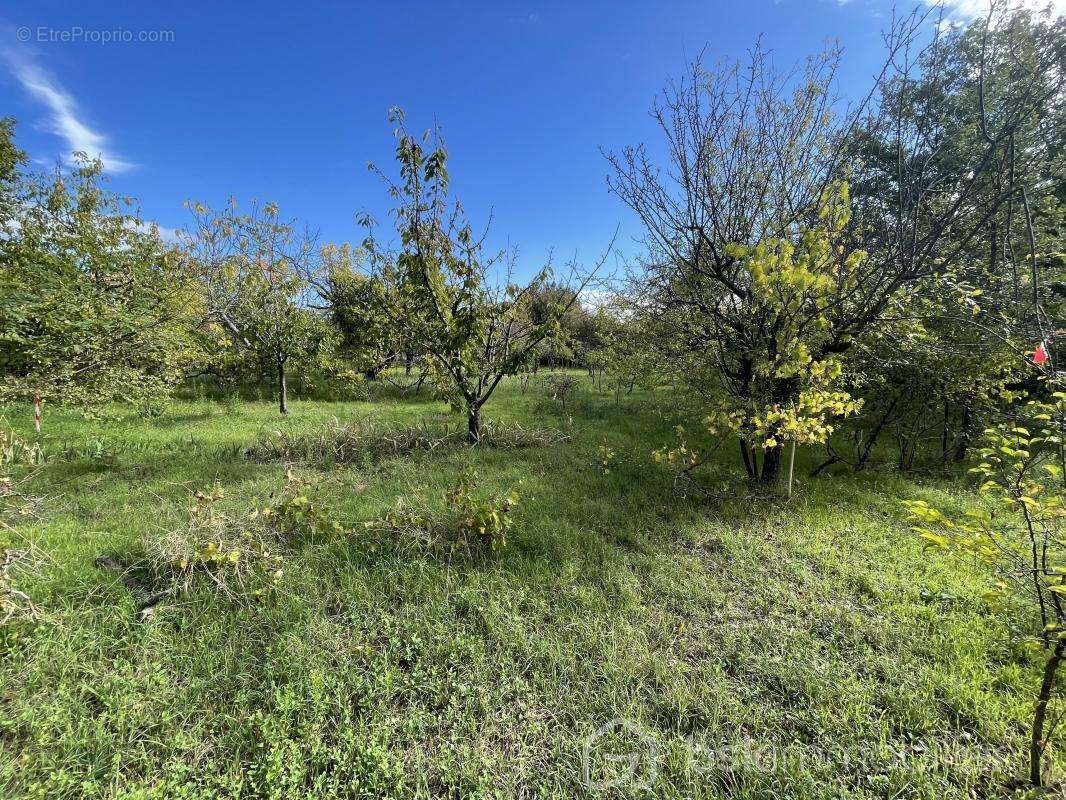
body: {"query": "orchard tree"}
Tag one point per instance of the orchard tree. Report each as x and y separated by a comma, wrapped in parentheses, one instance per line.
(762, 268)
(354, 302)
(438, 290)
(254, 267)
(586, 333)
(929, 373)
(94, 306)
(622, 348)
(540, 305)
(777, 383)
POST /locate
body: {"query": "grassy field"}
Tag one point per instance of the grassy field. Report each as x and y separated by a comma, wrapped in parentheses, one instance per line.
(742, 649)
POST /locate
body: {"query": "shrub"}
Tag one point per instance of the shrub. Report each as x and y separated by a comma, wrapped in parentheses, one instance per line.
(469, 521)
(480, 519)
(561, 388)
(230, 553)
(236, 553)
(296, 515)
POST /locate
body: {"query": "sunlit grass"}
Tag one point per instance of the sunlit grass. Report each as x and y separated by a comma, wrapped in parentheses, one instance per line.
(814, 638)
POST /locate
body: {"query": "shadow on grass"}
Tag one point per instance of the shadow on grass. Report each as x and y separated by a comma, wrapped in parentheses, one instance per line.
(170, 421)
(570, 513)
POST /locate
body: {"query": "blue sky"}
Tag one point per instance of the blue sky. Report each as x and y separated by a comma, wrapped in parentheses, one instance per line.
(288, 101)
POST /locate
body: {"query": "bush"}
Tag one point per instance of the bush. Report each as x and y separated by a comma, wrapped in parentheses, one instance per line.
(469, 522)
(561, 388)
(233, 553)
(296, 516)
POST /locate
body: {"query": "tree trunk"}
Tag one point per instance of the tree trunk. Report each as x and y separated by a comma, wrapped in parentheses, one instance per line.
(962, 444)
(945, 433)
(1036, 739)
(771, 465)
(872, 440)
(783, 392)
(283, 404)
(473, 424)
(791, 467)
(749, 466)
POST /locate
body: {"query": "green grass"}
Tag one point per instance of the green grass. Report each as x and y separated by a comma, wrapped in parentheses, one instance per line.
(815, 638)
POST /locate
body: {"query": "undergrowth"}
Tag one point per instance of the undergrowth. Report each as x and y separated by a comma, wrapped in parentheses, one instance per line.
(813, 643)
(369, 438)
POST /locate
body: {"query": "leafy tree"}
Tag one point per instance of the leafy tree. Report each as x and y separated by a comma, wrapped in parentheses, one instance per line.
(438, 290)
(11, 162)
(94, 307)
(355, 302)
(929, 373)
(587, 334)
(254, 268)
(622, 349)
(541, 305)
(935, 365)
(763, 270)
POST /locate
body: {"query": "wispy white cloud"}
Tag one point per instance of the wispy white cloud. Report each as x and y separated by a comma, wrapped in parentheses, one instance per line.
(165, 234)
(171, 235)
(66, 119)
(971, 9)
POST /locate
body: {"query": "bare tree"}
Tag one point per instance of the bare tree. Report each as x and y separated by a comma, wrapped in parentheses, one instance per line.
(753, 152)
